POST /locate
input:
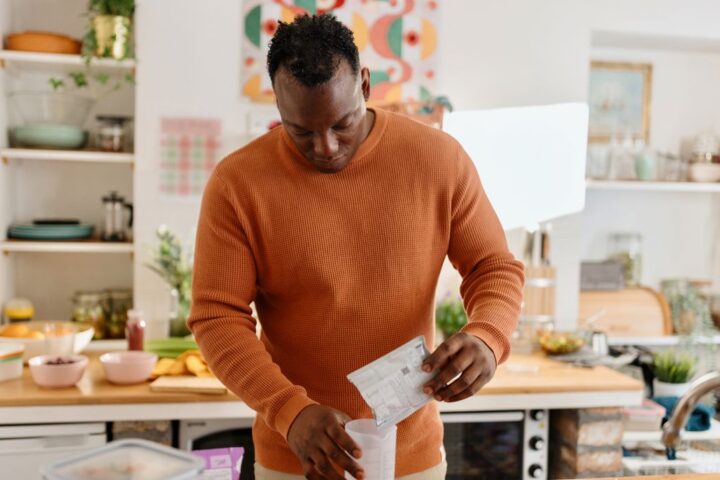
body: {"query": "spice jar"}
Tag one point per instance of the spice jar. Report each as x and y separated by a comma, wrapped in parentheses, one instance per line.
(626, 248)
(88, 311)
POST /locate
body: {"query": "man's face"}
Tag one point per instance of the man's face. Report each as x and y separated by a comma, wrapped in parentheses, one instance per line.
(326, 122)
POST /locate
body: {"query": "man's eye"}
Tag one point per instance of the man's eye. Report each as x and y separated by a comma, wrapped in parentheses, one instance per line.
(302, 133)
(341, 127)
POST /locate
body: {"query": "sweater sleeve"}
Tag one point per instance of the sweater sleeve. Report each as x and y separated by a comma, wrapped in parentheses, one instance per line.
(492, 279)
(224, 286)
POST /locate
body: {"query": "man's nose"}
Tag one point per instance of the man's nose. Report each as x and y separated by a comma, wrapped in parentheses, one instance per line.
(325, 144)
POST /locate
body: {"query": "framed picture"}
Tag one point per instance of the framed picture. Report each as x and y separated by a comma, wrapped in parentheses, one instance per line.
(619, 99)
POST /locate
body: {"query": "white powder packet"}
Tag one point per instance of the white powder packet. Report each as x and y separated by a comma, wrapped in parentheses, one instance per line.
(393, 384)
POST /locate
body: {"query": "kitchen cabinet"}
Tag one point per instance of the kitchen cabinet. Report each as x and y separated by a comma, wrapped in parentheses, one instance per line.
(44, 183)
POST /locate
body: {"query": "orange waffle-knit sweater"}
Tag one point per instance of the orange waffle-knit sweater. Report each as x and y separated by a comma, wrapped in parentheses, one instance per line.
(343, 268)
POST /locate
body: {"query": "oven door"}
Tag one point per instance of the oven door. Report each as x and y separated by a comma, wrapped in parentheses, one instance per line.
(486, 445)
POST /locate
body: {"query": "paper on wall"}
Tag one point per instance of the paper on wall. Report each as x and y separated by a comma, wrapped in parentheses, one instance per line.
(393, 384)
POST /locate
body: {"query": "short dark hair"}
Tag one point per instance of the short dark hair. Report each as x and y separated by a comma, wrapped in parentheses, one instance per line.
(311, 48)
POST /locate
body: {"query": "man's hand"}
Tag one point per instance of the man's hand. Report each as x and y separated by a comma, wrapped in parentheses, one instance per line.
(463, 356)
(318, 438)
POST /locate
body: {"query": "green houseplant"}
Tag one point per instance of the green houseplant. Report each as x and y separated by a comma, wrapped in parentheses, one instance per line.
(450, 315)
(109, 29)
(673, 371)
(174, 265)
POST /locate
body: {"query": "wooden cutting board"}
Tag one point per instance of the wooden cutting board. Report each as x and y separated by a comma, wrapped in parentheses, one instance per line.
(632, 312)
(188, 384)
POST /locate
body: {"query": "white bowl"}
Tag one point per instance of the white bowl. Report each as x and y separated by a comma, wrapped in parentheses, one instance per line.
(128, 367)
(704, 172)
(57, 376)
(63, 344)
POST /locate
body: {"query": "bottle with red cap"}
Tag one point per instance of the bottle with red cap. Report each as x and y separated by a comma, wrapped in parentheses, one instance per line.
(135, 329)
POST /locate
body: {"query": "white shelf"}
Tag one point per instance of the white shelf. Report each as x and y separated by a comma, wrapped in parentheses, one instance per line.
(25, 246)
(66, 155)
(690, 187)
(663, 341)
(40, 61)
(654, 436)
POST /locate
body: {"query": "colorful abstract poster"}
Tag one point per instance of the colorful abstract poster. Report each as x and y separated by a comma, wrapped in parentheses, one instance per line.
(189, 151)
(397, 40)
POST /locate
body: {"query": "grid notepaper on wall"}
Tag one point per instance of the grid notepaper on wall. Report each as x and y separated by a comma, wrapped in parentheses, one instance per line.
(189, 151)
(397, 40)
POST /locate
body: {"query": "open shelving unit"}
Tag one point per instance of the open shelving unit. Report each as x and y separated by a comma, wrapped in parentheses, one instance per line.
(54, 183)
(59, 62)
(637, 186)
(24, 246)
(8, 154)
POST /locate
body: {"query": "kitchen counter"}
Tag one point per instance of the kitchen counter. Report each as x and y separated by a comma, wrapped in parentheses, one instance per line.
(524, 382)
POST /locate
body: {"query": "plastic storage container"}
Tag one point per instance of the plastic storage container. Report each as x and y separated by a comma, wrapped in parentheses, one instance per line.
(11, 361)
(127, 459)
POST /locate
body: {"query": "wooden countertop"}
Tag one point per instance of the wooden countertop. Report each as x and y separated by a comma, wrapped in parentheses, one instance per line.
(535, 374)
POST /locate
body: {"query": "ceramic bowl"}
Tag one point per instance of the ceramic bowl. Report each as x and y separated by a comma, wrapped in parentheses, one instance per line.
(128, 367)
(704, 172)
(57, 371)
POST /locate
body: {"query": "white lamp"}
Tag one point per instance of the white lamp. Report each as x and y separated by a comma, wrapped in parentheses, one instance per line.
(531, 160)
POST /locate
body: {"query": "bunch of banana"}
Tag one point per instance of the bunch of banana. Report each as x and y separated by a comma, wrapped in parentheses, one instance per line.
(190, 362)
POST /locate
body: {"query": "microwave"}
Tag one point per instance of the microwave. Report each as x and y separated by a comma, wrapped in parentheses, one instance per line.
(508, 445)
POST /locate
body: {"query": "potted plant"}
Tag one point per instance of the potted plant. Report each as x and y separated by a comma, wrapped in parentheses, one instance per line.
(450, 315)
(673, 372)
(109, 29)
(174, 265)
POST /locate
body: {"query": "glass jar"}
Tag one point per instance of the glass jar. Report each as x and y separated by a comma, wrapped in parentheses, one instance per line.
(626, 248)
(111, 133)
(119, 302)
(88, 311)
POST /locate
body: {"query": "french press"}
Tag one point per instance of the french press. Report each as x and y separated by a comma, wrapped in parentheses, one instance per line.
(115, 227)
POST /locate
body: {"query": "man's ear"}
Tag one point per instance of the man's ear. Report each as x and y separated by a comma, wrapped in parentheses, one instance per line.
(365, 79)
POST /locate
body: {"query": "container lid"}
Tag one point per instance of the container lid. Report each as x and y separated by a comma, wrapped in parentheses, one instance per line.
(130, 459)
(11, 350)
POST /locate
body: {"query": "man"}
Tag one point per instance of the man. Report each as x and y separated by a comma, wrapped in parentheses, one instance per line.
(336, 225)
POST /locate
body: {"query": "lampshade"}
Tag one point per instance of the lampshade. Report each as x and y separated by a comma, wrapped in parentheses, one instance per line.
(531, 160)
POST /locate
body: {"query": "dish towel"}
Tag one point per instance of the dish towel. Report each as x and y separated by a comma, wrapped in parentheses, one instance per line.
(699, 420)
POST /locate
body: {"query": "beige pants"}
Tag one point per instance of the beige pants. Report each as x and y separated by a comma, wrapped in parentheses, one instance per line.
(435, 473)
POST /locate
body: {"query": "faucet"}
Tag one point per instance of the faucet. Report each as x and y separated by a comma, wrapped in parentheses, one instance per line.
(686, 404)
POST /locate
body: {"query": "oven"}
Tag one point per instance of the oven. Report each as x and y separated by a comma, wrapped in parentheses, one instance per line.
(508, 445)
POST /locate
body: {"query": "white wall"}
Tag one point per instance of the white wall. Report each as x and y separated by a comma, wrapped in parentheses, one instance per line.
(188, 65)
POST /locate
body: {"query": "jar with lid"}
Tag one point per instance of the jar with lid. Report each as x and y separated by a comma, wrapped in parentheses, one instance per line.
(19, 310)
(88, 310)
(111, 135)
(119, 302)
(135, 329)
(626, 248)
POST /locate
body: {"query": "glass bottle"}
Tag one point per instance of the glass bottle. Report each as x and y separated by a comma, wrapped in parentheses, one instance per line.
(135, 329)
(626, 248)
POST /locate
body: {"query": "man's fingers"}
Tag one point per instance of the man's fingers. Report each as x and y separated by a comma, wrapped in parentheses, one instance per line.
(462, 383)
(344, 440)
(324, 466)
(443, 353)
(470, 391)
(456, 366)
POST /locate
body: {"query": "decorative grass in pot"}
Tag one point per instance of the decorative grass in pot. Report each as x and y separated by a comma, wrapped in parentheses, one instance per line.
(673, 371)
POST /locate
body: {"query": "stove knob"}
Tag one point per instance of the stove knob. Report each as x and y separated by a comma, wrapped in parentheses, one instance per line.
(536, 471)
(537, 443)
(537, 415)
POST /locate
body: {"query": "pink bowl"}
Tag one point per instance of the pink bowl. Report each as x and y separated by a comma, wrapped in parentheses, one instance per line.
(57, 376)
(128, 367)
